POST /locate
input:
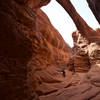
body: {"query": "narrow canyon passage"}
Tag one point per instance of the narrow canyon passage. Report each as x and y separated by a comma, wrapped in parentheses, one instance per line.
(35, 61)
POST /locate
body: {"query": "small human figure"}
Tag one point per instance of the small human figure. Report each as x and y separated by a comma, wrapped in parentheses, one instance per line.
(63, 72)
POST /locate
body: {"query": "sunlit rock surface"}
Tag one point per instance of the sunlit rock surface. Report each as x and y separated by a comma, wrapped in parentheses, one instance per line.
(80, 52)
(84, 69)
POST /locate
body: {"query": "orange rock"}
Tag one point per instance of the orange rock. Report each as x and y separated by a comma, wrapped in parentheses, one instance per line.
(34, 57)
(29, 46)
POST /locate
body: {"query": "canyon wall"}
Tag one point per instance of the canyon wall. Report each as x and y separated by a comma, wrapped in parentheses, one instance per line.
(32, 51)
(83, 73)
(37, 64)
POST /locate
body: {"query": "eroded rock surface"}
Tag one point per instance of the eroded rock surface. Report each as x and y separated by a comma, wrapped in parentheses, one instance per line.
(82, 86)
(34, 58)
(32, 52)
(84, 82)
(85, 54)
(80, 52)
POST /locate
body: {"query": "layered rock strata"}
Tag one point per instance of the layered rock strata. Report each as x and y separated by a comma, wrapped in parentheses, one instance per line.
(30, 50)
(34, 58)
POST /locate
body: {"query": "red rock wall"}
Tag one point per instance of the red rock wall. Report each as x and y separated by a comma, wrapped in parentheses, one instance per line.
(34, 57)
(84, 82)
(28, 43)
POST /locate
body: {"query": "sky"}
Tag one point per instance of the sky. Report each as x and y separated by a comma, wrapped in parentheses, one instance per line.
(62, 21)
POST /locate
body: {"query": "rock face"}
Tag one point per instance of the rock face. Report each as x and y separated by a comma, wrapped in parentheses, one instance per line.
(85, 63)
(95, 7)
(32, 52)
(35, 61)
(80, 52)
(85, 30)
(85, 54)
(82, 86)
(84, 83)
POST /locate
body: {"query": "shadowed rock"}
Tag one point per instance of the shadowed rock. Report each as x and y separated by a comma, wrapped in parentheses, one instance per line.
(95, 7)
(29, 47)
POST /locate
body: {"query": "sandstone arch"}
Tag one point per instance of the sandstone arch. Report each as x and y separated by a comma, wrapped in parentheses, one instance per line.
(81, 25)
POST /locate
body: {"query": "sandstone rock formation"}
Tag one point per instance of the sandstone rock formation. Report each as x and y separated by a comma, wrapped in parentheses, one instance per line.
(35, 61)
(84, 84)
(85, 62)
(32, 52)
(80, 52)
(85, 30)
(95, 7)
(85, 54)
